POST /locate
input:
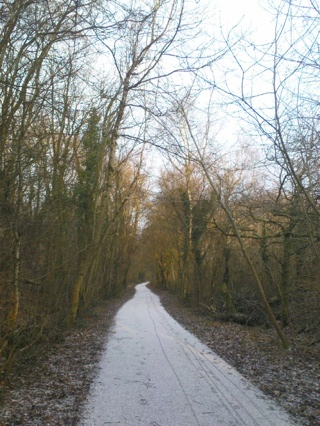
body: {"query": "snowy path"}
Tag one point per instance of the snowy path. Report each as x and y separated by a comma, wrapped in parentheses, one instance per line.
(153, 372)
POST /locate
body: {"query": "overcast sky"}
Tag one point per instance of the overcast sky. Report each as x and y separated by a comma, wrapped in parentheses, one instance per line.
(233, 10)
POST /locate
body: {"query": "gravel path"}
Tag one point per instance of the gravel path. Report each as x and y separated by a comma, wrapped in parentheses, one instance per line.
(154, 372)
(52, 390)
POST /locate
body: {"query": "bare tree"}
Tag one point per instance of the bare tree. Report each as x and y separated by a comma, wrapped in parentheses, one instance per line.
(137, 47)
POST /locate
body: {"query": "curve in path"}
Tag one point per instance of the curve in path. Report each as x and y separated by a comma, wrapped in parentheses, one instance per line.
(154, 372)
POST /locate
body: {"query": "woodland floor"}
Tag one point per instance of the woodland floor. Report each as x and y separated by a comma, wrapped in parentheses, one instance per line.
(51, 390)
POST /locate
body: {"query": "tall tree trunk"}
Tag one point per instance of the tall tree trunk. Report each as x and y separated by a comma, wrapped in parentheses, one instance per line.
(14, 311)
(226, 281)
(285, 281)
(227, 211)
(254, 272)
(109, 139)
(265, 256)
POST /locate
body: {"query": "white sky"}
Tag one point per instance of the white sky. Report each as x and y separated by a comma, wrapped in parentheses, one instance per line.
(248, 15)
(233, 10)
(228, 13)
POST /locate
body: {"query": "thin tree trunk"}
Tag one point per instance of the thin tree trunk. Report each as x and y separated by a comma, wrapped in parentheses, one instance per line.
(102, 214)
(285, 280)
(14, 311)
(226, 281)
(269, 311)
(283, 338)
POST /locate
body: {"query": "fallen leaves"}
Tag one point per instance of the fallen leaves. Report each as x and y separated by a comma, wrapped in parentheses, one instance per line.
(54, 390)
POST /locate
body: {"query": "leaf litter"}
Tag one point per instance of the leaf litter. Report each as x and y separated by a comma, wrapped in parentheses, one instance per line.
(52, 391)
